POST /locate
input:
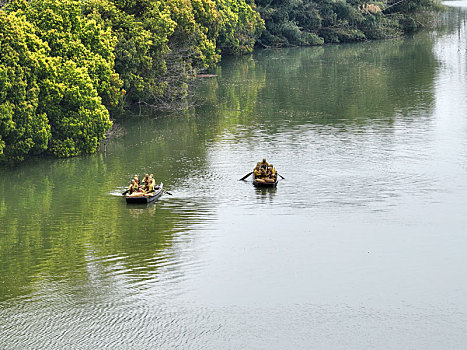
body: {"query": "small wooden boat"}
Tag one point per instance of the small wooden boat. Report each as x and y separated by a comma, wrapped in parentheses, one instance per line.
(139, 197)
(265, 182)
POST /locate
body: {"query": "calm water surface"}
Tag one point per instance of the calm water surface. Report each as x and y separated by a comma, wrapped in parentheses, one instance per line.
(362, 246)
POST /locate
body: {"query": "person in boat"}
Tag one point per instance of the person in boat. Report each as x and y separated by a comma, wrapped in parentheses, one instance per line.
(145, 179)
(135, 177)
(271, 175)
(152, 179)
(257, 171)
(149, 188)
(274, 173)
(145, 186)
(264, 164)
(134, 187)
(151, 185)
(257, 168)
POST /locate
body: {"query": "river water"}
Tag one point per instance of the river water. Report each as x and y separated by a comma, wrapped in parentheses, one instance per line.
(361, 246)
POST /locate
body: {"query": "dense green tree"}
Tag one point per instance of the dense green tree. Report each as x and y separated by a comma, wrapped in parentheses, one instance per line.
(162, 44)
(77, 117)
(411, 15)
(241, 26)
(142, 30)
(289, 22)
(24, 127)
(306, 22)
(54, 68)
(70, 36)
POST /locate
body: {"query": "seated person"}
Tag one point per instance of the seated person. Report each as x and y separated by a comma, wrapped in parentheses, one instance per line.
(257, 172)
(146, 179)
(151, 184)
(264, 164)
(272, 172)
(134, 187)
(149, 188)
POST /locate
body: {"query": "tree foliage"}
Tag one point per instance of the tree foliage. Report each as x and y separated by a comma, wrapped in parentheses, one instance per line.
(24, 127)
(306, 22)
(56, 71)
(65, 64)
(142, 34)
(240, 27)
(162, 44)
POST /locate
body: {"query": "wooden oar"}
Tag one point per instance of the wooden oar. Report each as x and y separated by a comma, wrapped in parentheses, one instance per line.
(243, 178)
(281, 176)
(124, 193)
(168, 192)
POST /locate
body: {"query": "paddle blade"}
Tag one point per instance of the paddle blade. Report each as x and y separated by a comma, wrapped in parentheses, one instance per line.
(243, 178)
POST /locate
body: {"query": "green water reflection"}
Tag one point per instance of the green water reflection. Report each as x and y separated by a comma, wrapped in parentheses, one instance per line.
(349, 84)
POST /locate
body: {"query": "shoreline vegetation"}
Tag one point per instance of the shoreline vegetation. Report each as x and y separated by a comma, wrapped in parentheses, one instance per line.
(67, 66)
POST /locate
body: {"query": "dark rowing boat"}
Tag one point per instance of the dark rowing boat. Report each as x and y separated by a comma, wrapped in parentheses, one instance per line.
(139, 197)
(263, 183)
